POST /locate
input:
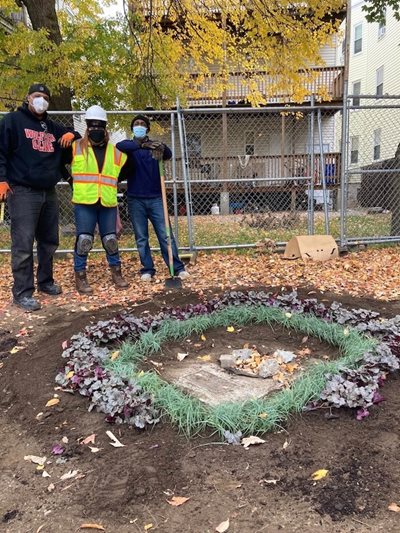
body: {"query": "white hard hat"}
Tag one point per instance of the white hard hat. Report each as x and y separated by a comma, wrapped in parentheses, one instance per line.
(96, 112)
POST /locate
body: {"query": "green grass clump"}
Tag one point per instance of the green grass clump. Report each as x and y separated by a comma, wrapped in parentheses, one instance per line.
(255, 416)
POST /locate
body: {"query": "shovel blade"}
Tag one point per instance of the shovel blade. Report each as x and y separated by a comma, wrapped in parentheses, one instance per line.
(173, 283)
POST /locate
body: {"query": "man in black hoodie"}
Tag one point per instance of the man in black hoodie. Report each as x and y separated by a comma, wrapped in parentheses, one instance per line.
(31, 147)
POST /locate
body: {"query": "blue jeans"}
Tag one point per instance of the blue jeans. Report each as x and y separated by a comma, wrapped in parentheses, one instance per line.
(86, 218)
(141, 210)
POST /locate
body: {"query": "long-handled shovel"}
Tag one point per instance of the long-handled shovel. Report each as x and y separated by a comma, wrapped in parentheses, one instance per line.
(172, 282)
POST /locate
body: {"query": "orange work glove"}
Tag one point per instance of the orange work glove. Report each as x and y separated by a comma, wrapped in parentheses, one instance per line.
(66, 140)
(4, 190)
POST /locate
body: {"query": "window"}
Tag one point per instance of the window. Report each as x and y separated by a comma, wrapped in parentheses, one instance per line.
(358, 38)
(249, 143)
(194, 144)
(317, 150)
(356, 90)
(382, 26)
(343, 53)
(354, 144)
(377, 144)
(379, 81)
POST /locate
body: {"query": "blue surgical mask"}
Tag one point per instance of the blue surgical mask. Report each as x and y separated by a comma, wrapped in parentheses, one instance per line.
(139, 132)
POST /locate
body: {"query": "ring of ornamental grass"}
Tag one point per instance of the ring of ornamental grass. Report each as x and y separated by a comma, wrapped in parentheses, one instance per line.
(255, 416)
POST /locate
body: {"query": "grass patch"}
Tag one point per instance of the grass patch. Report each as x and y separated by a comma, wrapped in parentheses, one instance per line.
(214, 231)
(191, 416)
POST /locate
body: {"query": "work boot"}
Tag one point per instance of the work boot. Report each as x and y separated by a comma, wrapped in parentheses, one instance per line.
(81, 283)
(50, 288)
(27, 303)
(117, 278)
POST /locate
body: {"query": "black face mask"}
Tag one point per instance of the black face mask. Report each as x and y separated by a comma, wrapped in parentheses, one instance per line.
(97, 136)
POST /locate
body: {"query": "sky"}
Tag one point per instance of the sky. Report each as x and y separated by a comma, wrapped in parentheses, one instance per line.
(111, 10)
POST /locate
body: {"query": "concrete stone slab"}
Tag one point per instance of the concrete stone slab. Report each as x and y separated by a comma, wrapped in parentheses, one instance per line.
(213, 386)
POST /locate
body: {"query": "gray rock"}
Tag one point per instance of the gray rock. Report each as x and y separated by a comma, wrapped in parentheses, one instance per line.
(243, 353)
(285, 356)
(268, 369)
(227, 360)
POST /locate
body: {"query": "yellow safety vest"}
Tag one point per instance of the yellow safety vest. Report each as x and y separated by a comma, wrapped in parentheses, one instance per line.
(89, 184)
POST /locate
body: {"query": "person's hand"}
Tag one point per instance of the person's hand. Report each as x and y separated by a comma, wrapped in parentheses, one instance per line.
(66, 140)
(4, 190)
(156, 147)
(152, 145)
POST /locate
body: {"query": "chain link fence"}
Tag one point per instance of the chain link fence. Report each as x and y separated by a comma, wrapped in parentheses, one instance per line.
(242, 177)
(372, 172)
(257, 175)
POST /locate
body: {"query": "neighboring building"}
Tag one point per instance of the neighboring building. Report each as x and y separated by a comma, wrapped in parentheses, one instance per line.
(8, 22)
(255, 148)
(374, 69)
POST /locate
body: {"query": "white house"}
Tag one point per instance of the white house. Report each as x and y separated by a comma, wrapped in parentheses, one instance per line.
(374, 69)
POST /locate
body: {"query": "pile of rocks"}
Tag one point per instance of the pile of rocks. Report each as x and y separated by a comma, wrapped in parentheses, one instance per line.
(249, 362)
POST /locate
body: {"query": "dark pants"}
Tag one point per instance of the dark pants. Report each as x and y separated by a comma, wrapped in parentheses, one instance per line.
(34, 216)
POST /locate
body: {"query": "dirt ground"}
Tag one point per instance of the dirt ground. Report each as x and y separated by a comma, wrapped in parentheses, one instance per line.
(266, 488)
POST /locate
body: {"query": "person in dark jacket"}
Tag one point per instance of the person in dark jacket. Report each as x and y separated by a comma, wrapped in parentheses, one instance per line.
(144, 195)
(31, 147)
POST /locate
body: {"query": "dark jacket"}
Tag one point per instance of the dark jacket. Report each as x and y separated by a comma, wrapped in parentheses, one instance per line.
(29, 151)
(141, 170)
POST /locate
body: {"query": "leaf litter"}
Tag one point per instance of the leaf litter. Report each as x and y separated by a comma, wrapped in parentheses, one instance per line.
(177, 501)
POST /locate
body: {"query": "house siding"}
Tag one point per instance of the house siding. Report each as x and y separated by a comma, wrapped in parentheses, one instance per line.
(377, 51)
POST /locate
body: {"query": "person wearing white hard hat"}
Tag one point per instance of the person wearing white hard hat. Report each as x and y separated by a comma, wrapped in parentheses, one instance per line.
(95, 167)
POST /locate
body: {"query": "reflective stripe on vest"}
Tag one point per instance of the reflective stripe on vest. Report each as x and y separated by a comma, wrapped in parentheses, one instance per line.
(90, 185)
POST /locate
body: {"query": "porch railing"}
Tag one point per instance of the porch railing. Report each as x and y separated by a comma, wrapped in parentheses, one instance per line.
(328, 78)
(208, 170)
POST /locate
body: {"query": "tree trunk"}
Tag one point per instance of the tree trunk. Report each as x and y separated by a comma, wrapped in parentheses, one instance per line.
(43, 15)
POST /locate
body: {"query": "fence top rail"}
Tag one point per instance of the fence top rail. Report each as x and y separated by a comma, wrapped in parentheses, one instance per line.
(207, 110)
(375, 96)
(247, 180)
(393, 106)
(269, 109)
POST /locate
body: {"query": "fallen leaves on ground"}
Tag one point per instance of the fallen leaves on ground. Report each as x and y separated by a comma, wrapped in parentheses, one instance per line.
(16, 349)
(222, 527)
(176, 501)
(250, 441)
(115, 355)
(115, 442)
(319, 474)
(69, 475)
(374, 273)
(90, 439)
(204, 358)
(35, 459)
(53, 401)
(394, 507)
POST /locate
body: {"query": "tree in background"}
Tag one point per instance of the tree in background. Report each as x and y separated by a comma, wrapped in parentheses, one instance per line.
(150, 56)
(83, 58)
(375, 10)
(212, 38)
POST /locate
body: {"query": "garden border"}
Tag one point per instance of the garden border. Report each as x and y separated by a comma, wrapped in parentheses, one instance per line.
(252, 416)
(124, 400)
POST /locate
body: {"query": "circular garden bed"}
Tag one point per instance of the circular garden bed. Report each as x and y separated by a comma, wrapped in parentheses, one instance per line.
(106, 362)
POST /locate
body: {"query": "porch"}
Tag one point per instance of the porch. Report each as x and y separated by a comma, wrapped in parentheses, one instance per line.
(328, 79)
